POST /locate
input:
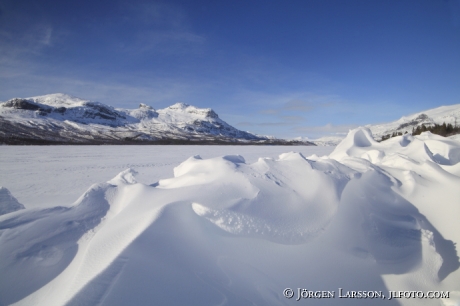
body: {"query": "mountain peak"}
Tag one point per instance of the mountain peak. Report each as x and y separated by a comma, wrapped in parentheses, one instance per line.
(190, 109)
(145, 106)
(58, 100)
(179, 106)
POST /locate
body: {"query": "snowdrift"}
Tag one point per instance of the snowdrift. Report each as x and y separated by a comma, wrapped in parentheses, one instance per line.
(371, 217)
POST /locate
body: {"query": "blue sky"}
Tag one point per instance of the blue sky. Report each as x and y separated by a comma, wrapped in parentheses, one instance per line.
(282, 68)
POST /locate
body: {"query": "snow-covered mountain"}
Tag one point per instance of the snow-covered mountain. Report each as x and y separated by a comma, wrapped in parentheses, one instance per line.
(60, 118)
(443, 114)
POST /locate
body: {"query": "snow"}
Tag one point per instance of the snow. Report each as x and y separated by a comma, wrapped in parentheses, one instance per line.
(48, 176)
(58, 100)
(443, 114)
(232, 225)
(328, 140)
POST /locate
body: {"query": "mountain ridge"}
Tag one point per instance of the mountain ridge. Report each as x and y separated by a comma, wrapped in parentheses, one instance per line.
(64, 119)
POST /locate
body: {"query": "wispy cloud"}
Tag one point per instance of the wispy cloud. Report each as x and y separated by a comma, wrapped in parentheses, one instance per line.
(328, 129)
(293, 119)
(167, 42)
(310, 103)
(269, 111)
(160, 28)
(299, 106)
(245, 123)
(289, 113)
(23, 33)
(157, 13)
(304, 103)
(22, 44)
(281, 123)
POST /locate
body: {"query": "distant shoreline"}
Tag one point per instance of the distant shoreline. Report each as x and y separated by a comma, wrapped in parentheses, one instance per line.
(39, 142)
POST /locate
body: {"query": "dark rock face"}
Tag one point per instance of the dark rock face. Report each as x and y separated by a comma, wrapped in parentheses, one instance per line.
(8, 203)
(415, 122)
(211, 114)
(422, 117)
(28, 105)
(92, 110)
(98, 110)
(60, 110)
(217, 128)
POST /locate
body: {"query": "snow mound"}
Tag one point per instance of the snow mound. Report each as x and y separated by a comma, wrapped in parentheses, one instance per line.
(49, 242)
(270, 211)
(426, 147)
(125, 177)
(357, 140)
(376, 216)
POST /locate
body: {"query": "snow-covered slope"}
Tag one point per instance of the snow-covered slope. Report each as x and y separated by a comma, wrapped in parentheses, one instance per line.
(444, 114)
(328, 141)
(60, 118)
(374, 218)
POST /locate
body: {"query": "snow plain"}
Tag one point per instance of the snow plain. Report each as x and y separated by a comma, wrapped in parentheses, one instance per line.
(48, 176)
(229, 228)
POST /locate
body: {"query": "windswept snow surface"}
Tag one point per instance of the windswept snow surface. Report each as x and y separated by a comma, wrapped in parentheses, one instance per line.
(224, 230)
(48, 176)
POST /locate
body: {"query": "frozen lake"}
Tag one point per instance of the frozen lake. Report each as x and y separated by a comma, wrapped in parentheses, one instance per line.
(46, 176)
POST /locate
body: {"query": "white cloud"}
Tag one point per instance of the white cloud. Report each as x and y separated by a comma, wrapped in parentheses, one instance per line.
(21, 44)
